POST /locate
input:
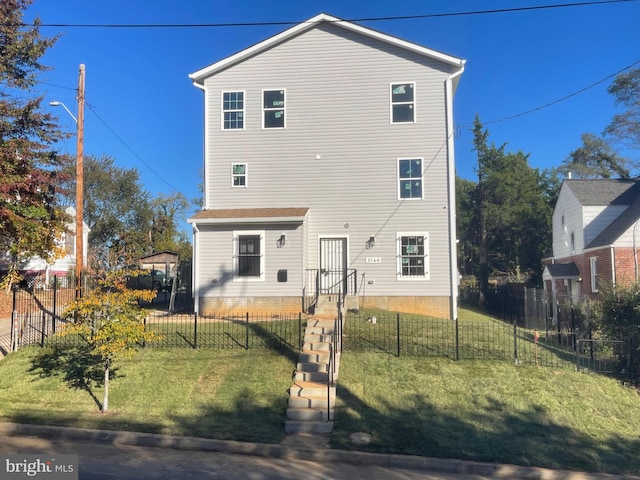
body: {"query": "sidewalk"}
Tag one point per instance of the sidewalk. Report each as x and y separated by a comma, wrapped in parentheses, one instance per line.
(299, 447)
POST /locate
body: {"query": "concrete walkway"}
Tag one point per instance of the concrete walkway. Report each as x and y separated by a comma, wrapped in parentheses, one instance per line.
(309, 455)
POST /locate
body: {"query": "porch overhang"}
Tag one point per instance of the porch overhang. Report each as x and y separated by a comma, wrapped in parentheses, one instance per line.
(561, 271)
(249, 215)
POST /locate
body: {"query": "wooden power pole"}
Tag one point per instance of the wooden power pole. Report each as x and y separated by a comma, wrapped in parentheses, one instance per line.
(80, 185)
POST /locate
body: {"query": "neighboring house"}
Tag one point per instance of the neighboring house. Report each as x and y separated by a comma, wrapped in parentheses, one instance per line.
(595, 238)
(328, 169)
(36, 266)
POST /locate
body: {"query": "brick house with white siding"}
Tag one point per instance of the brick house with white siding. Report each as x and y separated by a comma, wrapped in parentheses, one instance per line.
(596, 237)
(328, 169)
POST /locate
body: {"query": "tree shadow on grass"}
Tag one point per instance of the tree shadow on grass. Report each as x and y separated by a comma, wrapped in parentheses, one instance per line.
(77, 366)
(490, 431)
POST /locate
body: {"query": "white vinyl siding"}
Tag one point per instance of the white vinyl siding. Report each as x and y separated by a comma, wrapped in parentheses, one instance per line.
(338, 154)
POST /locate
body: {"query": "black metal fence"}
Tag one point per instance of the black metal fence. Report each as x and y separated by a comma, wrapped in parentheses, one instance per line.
(402, 334)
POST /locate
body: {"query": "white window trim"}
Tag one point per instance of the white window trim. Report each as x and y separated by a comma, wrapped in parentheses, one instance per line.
(593, 269)
(398, 178)
(399, 276)
(236, 238)
(222, 110)
(246, 175)
(265, 109)
(414, 103)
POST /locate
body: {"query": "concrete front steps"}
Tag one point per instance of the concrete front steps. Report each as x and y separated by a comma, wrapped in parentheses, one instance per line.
(312, 396)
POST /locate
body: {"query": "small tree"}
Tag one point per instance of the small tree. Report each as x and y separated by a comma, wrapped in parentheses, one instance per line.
(110, 319)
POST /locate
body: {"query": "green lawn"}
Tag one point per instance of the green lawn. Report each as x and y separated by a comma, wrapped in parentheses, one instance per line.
(487, 410)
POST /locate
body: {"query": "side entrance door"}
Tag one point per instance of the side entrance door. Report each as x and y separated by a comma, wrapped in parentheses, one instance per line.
(333, 265)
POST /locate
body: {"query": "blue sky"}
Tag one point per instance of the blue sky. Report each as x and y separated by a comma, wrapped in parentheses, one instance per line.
(137, 84)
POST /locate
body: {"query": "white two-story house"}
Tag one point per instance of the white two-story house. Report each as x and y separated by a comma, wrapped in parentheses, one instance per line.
(328, 168)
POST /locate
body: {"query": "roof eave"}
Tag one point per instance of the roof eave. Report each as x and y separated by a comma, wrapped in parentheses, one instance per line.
(199, 76)
(239, 220)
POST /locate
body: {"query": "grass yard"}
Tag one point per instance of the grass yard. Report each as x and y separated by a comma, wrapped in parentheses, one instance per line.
(486, 409)
(225, 394)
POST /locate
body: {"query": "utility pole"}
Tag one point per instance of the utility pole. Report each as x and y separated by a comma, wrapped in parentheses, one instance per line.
(80, 185)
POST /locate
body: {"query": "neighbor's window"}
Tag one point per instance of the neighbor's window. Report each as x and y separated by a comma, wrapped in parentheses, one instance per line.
(403, 103)
(573, 241)
(273, 108)
(249, 255)
(413, 256)
(593, 263)
(239, 174)
(409, 178)
(232, 110)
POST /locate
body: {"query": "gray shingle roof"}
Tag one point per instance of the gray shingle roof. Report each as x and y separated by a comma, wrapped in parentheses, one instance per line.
(563, 270)
(604, 192)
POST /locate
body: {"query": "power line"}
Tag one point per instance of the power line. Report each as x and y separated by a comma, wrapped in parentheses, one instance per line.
(363, 19)
(559, 100)
(130, 149)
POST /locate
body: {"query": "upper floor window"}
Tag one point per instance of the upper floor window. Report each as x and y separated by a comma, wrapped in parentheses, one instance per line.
(593, 264)
(403, 103)
(413, 255)
(573, 241)
(273, 108)
(239, 174)
(232, 110)
(409, 178)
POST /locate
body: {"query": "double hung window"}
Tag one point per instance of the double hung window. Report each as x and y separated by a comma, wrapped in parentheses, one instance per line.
(409, 178)
(413, 255)
(239, 174)
(249, 256)
(232, 110)
(273, 105)
(403, 103)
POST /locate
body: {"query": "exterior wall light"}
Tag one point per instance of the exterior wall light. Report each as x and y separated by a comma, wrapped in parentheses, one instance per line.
(371, 242)
(281, 242)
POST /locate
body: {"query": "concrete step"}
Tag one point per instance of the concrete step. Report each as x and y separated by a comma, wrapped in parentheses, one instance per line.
(297, 426)
(321, 377)
(319, 322)
(319, 330)
(308, 414)
(312, 402)
(302, 388)
(317, 338)
(312, 367)
(312, 356)
(316, 346)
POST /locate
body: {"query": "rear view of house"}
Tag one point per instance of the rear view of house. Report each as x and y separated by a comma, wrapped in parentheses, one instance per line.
(328, 170)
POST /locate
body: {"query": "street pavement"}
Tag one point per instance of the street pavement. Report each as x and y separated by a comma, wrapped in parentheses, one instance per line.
(105, 455)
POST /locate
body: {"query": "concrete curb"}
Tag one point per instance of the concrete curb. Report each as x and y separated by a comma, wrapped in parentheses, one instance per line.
(437, 465)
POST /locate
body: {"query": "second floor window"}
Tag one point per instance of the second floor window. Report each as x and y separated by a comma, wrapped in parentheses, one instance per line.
(239, 174)
(232, 110)
(273, 108)
(409, 178)
(403, 103)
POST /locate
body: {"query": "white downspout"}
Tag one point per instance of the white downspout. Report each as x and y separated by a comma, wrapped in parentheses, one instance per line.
(451, 172)
(194, 270)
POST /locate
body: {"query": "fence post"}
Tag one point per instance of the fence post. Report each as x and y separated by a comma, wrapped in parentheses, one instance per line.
(398, 331)
(246, 334)
(144, 326)
(195, 330)
(55, 304)
(515, 343)
(42, 332)
(14, 317)
(457, 340)
(300, 331)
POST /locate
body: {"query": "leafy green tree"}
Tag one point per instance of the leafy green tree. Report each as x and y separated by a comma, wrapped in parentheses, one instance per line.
(507, 228)
(29, 223)
(625, 126)
(596, 158)
(110, 319)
